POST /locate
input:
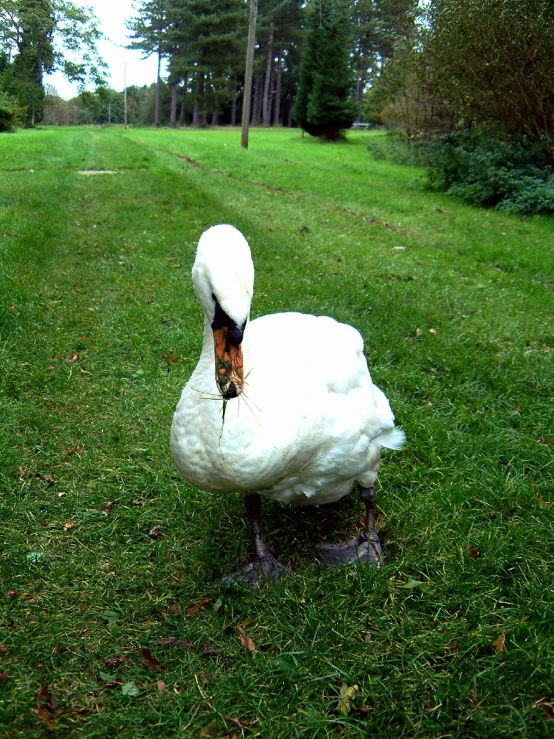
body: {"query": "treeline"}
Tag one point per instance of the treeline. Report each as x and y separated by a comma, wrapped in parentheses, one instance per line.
(104, 107)
(204, 45)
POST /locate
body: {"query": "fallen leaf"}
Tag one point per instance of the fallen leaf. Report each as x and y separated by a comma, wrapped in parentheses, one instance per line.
(199, 605)
(245, 640)
(3, 677)
(212, 652)
(43, 693)
(130, 689)
(160, 686)
(106, 677)
(149, 661)
(204, 678)
(172, 641)
(107, 508)
(475, 553)
(242, 724)
(412, 584)
(213, 728)
(114, 661)
(347, 695)
(74, 357)
(433, 331)
(500, 643)
(155, 532)
(68, 525)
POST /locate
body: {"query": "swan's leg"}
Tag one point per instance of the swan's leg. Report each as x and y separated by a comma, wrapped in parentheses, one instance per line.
(264, 566)
(364, 548)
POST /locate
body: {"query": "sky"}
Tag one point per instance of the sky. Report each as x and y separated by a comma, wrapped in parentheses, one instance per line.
(112, 15)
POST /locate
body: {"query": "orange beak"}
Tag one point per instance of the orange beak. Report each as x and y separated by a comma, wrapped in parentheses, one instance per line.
(229, 371)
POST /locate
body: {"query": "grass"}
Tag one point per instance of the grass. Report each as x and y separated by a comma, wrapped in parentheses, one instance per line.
(105, 551)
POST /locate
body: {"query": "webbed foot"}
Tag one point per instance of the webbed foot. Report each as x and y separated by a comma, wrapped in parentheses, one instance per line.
(364, 548)
(260, 570)
(360, 549)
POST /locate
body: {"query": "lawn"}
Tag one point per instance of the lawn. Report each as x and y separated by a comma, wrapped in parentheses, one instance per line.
(110, 625)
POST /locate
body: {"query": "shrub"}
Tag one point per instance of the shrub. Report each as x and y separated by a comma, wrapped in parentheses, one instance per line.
(507, 174)
(10, 113)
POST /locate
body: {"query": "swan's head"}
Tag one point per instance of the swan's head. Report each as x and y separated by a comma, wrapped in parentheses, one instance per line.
(223, 277)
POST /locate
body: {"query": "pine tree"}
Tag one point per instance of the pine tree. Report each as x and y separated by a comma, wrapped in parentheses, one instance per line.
(324, 106)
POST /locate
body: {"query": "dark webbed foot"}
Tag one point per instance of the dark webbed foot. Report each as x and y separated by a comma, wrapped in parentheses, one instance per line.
(264, 567)
(364, 548)
(260, 570)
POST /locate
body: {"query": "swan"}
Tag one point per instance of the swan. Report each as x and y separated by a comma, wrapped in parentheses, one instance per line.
(281, 407)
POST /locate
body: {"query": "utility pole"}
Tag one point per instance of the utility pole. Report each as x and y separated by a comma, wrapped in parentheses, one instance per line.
(125, 93)
(248, 73)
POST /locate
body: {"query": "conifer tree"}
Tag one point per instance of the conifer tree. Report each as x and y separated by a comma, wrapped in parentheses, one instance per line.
(324, 105)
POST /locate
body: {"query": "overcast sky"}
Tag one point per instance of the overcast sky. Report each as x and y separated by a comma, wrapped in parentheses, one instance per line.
(112, 15)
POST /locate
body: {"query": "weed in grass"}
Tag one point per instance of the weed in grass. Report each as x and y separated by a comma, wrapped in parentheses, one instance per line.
(106, 554)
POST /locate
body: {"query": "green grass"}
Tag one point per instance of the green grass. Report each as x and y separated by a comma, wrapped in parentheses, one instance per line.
(99, 330)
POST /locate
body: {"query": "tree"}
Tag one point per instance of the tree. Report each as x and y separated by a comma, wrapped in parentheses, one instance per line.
(324, 104)
(150, 29)
(491, 62)
(40, 36)
(208, 46)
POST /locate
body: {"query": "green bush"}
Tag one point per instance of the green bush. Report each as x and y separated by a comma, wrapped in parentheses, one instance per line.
(509, 175)
(9, 113)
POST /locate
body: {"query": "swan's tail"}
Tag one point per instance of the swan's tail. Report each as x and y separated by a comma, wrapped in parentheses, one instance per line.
(392, 438)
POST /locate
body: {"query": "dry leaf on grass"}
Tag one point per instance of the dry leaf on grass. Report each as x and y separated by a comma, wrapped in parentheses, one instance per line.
(347, 695)
(50, 705)
(199, 605)
(107, 508)
(500, 644)
(160, 686)
(149, 661)
(242, 724)
(114, 661)
(68, 525)
(245, 640)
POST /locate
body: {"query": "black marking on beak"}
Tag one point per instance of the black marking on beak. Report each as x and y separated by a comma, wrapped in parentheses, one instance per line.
(222, 320)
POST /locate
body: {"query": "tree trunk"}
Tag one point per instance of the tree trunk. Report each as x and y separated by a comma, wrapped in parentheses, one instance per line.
(215, 118)
(234, 103)
(268, 75)
(257, 101)
(247, 95)
(277, 112)
(291, 106)
(182, 112)
(157, 98)
(173, 113)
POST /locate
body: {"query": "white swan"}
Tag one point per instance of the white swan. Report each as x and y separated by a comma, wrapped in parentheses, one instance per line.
(282, 406)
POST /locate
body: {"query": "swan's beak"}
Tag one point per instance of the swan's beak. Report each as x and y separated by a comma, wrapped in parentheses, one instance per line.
(229, 372)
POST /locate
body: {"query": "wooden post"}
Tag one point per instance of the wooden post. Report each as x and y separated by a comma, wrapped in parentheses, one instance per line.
(248, 73)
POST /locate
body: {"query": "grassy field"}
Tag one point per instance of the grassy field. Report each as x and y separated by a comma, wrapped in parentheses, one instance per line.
(105, 552)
